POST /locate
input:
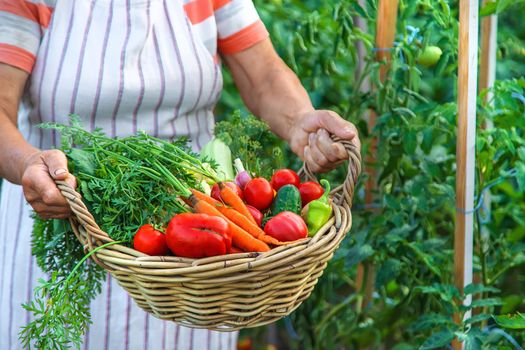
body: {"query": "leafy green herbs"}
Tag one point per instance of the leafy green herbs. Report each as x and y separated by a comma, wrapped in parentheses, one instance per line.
(131, 181)
(251, 140)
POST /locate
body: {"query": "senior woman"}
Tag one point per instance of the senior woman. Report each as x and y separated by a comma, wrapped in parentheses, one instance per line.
(123, 66)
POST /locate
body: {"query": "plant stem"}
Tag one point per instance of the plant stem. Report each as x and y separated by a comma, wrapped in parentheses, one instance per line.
(77, 266)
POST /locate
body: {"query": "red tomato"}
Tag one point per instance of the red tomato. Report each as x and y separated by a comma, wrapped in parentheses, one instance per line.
(216, 191)
(286, 227)
(256, 213)
(285, 177)
(149, 241)
(310, 191)
(198, 235)
(258, 193)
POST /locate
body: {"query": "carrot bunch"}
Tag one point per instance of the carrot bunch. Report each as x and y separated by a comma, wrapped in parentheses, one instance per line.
(246, 234)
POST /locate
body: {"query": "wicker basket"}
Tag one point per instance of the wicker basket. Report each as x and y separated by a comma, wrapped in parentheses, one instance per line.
(227, 292)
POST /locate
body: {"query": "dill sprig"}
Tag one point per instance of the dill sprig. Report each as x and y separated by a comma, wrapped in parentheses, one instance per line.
(61, 309)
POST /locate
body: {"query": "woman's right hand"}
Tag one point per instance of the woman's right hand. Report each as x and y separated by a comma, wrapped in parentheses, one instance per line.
(40, 171)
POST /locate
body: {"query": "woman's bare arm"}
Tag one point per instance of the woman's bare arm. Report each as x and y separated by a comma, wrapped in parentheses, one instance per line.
(274, 93)
(20, 162)
(14, 148)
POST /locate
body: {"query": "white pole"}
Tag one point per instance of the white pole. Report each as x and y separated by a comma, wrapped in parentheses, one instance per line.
(466, 139)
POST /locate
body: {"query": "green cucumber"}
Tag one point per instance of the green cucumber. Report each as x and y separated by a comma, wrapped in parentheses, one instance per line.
(288, 199)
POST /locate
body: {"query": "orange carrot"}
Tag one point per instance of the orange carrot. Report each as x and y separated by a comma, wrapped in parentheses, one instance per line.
(205, 197)
(240, 238)
(240, 220)
(232, 199)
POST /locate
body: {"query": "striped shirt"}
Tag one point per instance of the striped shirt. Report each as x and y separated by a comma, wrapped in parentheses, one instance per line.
(122, 66)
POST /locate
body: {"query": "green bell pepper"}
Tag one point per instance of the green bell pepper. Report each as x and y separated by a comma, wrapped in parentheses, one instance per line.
(317, 212)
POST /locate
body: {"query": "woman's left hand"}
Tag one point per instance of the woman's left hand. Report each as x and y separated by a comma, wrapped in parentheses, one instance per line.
(309, 138)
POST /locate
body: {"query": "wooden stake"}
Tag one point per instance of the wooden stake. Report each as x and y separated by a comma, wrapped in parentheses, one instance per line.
(487, 59)
(487, 76)
(466, 138)
(385, 33)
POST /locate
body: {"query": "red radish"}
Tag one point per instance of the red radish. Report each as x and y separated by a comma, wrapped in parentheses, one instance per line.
(256, 213)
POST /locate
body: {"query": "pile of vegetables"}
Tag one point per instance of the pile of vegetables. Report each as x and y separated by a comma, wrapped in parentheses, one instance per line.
(248, 215)
(162, 199)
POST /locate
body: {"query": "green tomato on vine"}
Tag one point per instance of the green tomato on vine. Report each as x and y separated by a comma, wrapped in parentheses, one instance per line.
(430, 56)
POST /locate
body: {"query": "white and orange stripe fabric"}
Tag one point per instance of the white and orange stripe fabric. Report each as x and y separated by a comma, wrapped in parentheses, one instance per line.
(123, 66)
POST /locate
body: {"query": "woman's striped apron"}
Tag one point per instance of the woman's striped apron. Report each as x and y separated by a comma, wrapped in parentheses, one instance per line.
(123, 66)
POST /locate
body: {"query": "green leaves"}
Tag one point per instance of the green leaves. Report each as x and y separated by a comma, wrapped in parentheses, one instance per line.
(60, 306)
(358, 253)
(516, 321)
(431, 321)
(82, 161)
(479, 288)
(446, 292)
(438, 340)
(485, 302)
(497, 6)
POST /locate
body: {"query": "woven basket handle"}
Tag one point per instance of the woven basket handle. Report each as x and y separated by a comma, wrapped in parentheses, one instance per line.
(345, 192)
(82, 213)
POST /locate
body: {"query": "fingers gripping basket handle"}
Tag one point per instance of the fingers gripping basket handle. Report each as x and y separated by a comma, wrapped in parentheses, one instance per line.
(345, 192)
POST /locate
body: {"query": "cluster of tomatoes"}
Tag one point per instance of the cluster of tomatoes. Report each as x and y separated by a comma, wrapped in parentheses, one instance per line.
(260, 193)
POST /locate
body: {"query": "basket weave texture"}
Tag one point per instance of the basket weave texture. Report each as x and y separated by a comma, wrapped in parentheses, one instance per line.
(227, 292)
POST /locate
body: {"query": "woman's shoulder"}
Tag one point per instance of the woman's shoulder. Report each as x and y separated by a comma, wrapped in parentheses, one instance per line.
(22, 23)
